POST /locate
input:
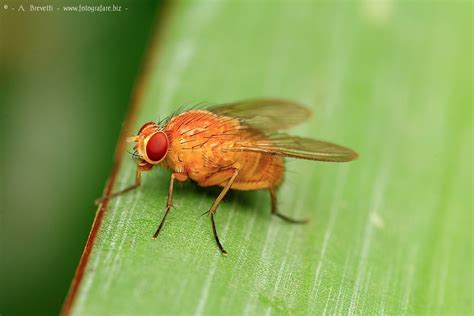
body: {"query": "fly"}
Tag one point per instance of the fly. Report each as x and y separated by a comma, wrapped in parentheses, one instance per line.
(235, 146)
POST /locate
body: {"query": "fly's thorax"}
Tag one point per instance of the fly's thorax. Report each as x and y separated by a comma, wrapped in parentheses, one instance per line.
(173, 162)
(199, 129)
(197, 139)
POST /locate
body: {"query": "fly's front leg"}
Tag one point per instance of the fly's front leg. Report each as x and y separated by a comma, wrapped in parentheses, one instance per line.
(169, 204)
(284, 217)
(214, 206)
(138, 181)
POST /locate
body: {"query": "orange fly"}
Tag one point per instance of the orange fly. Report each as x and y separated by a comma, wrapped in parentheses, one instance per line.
(234, 146)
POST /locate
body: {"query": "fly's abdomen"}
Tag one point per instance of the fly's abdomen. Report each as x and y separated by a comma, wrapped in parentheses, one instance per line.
(259, 171)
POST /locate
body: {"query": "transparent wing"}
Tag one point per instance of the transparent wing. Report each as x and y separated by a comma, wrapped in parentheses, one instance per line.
(296, 147)
(265, 114)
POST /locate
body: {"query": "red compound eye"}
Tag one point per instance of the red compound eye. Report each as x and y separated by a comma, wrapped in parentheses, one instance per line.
(157, 146)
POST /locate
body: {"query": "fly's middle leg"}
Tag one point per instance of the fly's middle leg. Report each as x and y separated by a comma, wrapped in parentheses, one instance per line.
(284, 217)
(213, 210)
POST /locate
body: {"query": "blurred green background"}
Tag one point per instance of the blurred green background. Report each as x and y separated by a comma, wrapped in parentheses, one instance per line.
(66, 80)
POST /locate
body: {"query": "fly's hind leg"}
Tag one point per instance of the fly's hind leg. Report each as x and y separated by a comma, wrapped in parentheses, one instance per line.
(284, 217)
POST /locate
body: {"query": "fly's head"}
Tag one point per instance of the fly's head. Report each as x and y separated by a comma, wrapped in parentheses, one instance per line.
(151, 145)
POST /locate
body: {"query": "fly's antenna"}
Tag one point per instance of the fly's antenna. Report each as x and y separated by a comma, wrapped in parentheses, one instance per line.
(131, 139)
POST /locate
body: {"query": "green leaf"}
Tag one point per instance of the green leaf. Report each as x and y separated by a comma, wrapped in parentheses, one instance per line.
(389, 233)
